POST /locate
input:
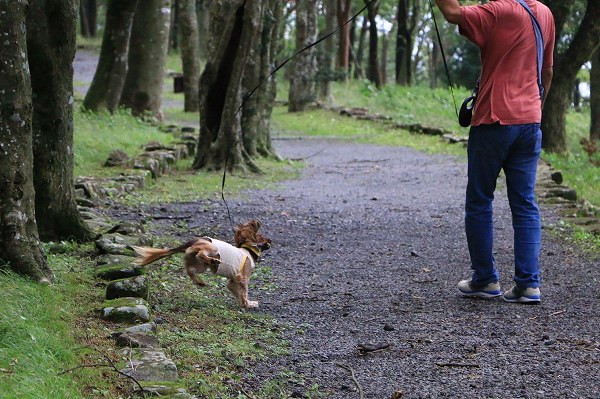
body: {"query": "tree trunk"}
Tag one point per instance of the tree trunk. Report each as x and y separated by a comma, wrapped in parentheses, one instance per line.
(256, 112)
(407, 18)
(344, 9)
(88, 16)
(595, 96)
(232, 32)
(105, 91)
(326, 58)
(190, 54)
(51, 49)
(566, 67)
(384, 54)
(302, 85)
(203, 16)
(20, 248)
(147, 56)
(358, 57)
(174, 29)
(374, 74)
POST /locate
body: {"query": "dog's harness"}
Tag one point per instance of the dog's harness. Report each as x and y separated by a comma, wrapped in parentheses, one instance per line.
(233, 259)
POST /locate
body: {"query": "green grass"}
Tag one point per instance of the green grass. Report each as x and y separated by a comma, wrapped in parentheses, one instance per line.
(579, 173)
(41, 329)
(97, 135)
(188, 185)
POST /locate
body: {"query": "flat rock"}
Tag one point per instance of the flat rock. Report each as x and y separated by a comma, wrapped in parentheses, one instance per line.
(128, 287)
(150, 365)
(126, 310)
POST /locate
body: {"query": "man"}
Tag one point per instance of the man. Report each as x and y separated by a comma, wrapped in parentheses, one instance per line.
(505, 134)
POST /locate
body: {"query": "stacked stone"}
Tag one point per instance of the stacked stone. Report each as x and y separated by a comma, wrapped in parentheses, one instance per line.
(550, 188)
(126, 304)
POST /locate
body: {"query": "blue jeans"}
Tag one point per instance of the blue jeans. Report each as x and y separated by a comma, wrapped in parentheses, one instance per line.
(516, 149)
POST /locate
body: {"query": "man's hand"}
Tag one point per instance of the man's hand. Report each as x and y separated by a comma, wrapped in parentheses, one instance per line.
(450, 9)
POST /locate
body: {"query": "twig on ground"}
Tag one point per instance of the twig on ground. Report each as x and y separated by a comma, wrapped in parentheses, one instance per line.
(558, 312)
(457, 365)
(348, 368)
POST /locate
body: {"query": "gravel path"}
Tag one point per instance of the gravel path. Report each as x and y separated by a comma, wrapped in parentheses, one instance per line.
(368, 248)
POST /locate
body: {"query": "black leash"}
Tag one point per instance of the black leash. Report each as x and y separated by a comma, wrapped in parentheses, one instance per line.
(223, 193)
(251, 92)
(437, 31)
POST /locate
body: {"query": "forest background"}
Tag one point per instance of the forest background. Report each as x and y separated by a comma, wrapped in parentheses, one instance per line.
(387, 60)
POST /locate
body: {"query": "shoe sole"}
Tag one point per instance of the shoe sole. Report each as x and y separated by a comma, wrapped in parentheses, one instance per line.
(523, 299)
(480, 294)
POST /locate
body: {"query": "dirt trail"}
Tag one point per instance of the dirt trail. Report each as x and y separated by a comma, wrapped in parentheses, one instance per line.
(368, 248)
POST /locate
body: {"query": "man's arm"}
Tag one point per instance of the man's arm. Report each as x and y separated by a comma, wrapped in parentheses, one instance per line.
(546, 82)
(450, 9)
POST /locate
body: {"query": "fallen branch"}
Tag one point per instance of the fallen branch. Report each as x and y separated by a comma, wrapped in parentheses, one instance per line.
(475, 365)
(558, 312)
(360, 390)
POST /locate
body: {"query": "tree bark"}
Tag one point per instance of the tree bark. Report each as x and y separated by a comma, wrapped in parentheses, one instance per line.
(174, 29)
(190, 54)
(51, 49)
(88, 16)
(302, 85)
(105, 91)
(256, 112)
(566, 67)
(232, 32)
(326, 66)
(20, 248)
(374, 74)
(595, 96)
(203, 16)
(147, 56)
(360, 51)
(344, 9)
(407, 17)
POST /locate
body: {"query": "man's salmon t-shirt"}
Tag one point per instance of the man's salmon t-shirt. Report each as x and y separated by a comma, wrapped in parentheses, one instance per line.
(503, 31)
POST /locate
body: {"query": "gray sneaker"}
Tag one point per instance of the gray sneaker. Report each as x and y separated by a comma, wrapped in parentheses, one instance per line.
(490, 290)
(523, 295)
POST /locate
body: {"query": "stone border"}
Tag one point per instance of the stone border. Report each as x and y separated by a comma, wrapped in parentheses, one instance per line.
(127, 290)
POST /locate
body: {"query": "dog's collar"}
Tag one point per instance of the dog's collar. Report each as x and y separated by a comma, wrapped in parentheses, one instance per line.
(252, 249)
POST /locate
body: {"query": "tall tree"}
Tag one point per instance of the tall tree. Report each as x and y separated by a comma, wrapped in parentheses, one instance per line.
(20, 248)
(257, 109)
(374, 74)
(567, 64)
(148, 45)
(105, 91)
(88, 16)
(358, 55)
(595, 96)
(344, 9)
(326, 59)
(302, 83)
(233, 29)
(51, 49)
(190, 53)
(203, 16)
(407, 17)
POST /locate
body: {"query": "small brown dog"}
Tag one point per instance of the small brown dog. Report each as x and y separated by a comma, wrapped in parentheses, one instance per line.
(223, 259)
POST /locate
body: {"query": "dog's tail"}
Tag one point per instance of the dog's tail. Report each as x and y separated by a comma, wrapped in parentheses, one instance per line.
(149, 255)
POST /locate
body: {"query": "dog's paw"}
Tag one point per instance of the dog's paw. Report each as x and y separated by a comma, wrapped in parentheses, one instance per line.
(252, 305)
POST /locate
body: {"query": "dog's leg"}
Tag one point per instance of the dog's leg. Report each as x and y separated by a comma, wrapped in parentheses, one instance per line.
(239, 287)
(192, 273)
